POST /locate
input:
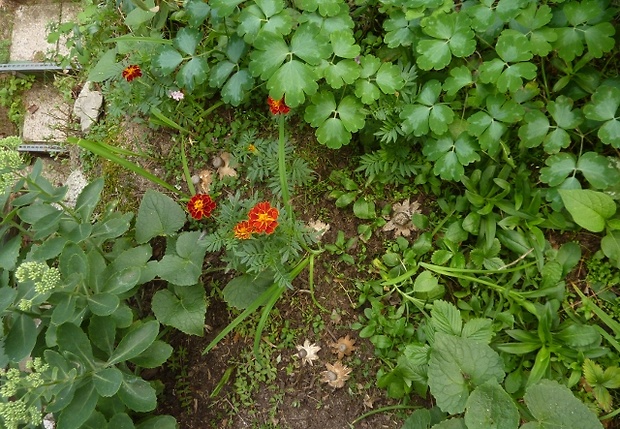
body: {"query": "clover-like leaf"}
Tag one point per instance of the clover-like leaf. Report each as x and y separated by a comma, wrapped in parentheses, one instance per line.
(325, 7)
(238, 87)
(310, 44)
(224, 7)
(557, 169)
(270, 52)
(451, 156)
(535, 128)
(389, 78)
(343, 44)
(563, 113)
(490, 406)
(584, 24)
(532, 21)
(293, 80)
(598, 170)
(323, 106)
(399, 31)
(460, 77)
(193, 73)
(603, 107)
(512, 46)
(452, 35)
(427, 113)
(333, 134)
(167, 60)
(187, 39)
(344, 71)
(182, 308)
(197, 11)
(264, 16)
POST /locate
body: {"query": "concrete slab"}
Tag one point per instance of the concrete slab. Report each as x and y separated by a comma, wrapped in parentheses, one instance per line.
(46, 114)
(68, 13)
(29, 39)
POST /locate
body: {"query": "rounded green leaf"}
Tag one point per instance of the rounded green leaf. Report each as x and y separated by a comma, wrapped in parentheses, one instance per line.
(108, 381)
(135, 342)
(352, 113)
(490, 407)
(343, 44)
(323, 106)
(333, 133)
(389, 78)
(558, 168)
(193, 73)
(103, 304)
(293, 80)
(536, 126)
(237, 88)
(513, 46)
(137, 394)
(183, 309)
(590, 209)
(187, 39)
(270, 52)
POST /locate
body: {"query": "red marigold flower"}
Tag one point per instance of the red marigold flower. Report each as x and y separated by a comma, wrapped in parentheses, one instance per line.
(277, 107)
(243, 230)
(263, 218)
(201, 205)
(131, 72)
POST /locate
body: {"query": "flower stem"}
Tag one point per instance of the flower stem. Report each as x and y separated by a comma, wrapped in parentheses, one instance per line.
(282, 168)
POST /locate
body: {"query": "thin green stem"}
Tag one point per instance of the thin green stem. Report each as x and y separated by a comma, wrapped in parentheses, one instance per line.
(286, 199)
(383, 410)
(186, 173)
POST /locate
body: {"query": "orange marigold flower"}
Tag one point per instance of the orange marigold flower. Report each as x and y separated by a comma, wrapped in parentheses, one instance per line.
(200, 205)
(277, 107)
(243, 230)
(263, 218)
(131, 72)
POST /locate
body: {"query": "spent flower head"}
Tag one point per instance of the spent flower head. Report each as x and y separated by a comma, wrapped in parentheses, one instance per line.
(335, 375)
(308, 352)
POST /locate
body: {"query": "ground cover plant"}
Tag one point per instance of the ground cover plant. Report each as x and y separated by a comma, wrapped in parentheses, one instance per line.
(481, 243)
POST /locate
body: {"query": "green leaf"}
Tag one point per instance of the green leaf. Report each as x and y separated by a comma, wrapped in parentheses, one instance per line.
(563, 114)
(610, 245)
(167, 60)
(590, 209)
(333, 134)
(197, 10)
(453, 423)
(446, 318)
(343, 44)
(137, 394)
(310, 44)
(603, 107)
(478, 329)
(158, 422)
(389, 78)
(103, 304)
(158, 215)
(184, 268)
(106, 67)
(323, 106)
(193, 73)
(73, 341)
(399, 31)
(364, 209)
(455, 37)
(460, 77)
(121, 421)
(21, 338)
(598, 170)
(513, 47)
(425, 282)
(352, 113)
(579, 337)
(220, 72)
(223, 8)
(340, 73)
(108, 381)
(535, 129)
(154, 356)
(554, 406)
(293, 80)
(236, 89)
(325, 7)
(187, 39)
(558, 168)
(182, 308)
(135, 342)
(270, 52)
(490, 407)
(9, 252)
(455, 365)
(80, 409)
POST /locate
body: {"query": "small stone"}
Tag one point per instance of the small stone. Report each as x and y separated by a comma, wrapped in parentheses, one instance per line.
(88, 106)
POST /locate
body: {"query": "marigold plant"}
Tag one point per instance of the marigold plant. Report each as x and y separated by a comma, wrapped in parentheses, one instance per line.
(201, 205)
(131, 72)
(263, 218)
(243, 230)
(278, 107)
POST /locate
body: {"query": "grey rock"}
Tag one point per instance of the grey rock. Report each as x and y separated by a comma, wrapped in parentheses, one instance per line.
(88, 106)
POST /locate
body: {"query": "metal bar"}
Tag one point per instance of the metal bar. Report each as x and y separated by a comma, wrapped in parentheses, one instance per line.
(31, 67)
(51, 148)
